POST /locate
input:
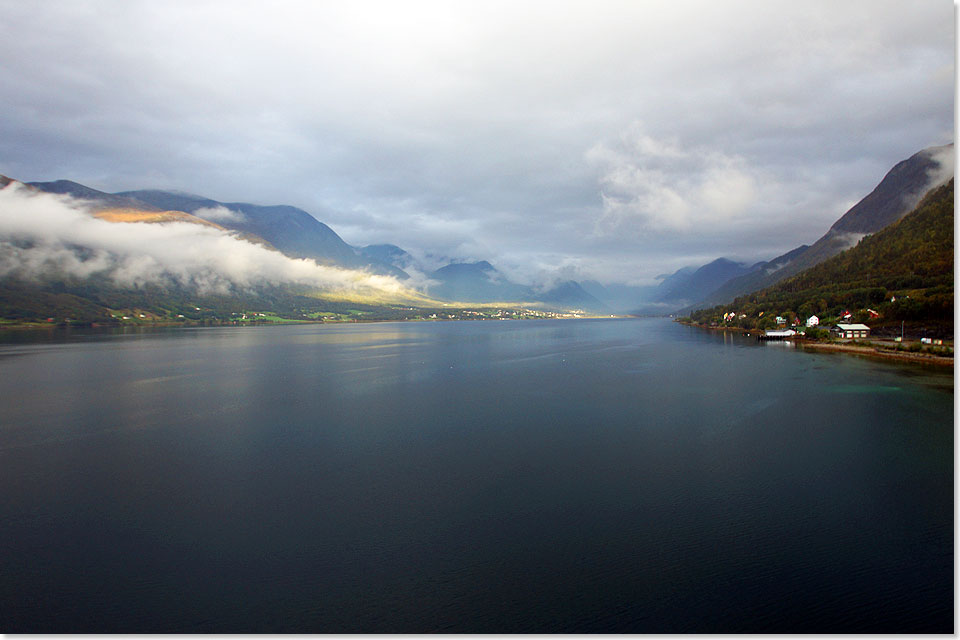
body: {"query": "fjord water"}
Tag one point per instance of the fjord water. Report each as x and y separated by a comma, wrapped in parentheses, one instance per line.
(528, 476)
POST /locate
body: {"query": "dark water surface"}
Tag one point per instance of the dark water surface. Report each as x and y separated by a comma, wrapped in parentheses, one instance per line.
(555, 476)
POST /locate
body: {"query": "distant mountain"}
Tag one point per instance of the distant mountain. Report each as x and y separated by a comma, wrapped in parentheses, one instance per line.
(101, 198)
(298, 234)
(915, 252)
(752, 281)
(619, 298)
(899, 191)
(903, 273)
(291, 230)
(689, 285)
(570, 294)
(677, 279)
(895, 196)
(114, 208)
(482, 282)
(476, 282)
(389, 254)
(288, 229)
(152, 216)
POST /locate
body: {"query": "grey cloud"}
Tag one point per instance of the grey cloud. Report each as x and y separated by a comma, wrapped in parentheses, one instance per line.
(469, 125)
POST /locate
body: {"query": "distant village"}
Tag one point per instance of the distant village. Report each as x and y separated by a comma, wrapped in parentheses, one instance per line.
(366, 313)
(842, 327)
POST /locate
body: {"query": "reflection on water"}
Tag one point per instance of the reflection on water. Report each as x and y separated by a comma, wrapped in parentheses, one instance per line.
(556, 476)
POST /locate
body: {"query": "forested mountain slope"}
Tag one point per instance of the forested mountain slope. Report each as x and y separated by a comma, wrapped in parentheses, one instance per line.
(902, 273)
(894, 197)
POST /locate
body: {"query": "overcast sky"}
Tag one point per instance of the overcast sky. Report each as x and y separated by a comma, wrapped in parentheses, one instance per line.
(614, 140)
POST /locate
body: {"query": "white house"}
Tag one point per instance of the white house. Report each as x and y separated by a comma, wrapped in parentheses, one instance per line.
(851, 330)
(813, 321)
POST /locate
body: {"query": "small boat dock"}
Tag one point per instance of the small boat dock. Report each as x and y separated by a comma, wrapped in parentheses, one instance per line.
(780, 334)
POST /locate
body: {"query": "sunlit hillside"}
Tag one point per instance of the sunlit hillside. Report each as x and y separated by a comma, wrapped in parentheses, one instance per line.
(137, 215)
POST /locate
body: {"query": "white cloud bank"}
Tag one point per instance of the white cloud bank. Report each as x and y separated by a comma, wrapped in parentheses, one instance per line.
(44, 234)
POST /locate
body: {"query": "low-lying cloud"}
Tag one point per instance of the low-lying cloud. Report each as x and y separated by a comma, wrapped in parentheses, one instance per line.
(45, 235)
(219, 214)
(945, 157)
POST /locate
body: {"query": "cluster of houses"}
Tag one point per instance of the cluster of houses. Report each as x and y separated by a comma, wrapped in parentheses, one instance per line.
(839, 330)
(848, 330)
(845, 330)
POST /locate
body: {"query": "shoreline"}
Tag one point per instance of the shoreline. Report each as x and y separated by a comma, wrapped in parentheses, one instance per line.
(43, 326)
(841, 347)
(877, 352)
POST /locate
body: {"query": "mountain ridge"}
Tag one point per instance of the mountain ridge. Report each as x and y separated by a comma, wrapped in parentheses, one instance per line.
(482, 282)
(102, 198)
(290, 229)
(902, 273)
(298, 234)
(895, 196)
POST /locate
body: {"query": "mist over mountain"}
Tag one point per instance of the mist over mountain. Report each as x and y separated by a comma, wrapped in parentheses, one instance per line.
(689, 284)
(290, 229)
(389, 254)
(621, 298)
(753, 280)
(115, 208)
(899, 191)
(476, 281)
(298, 234)
(56, 238)
(70, 250)
(571, 294)
(896, 195)
(482, 282)
(99, 198)
(903, 274)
